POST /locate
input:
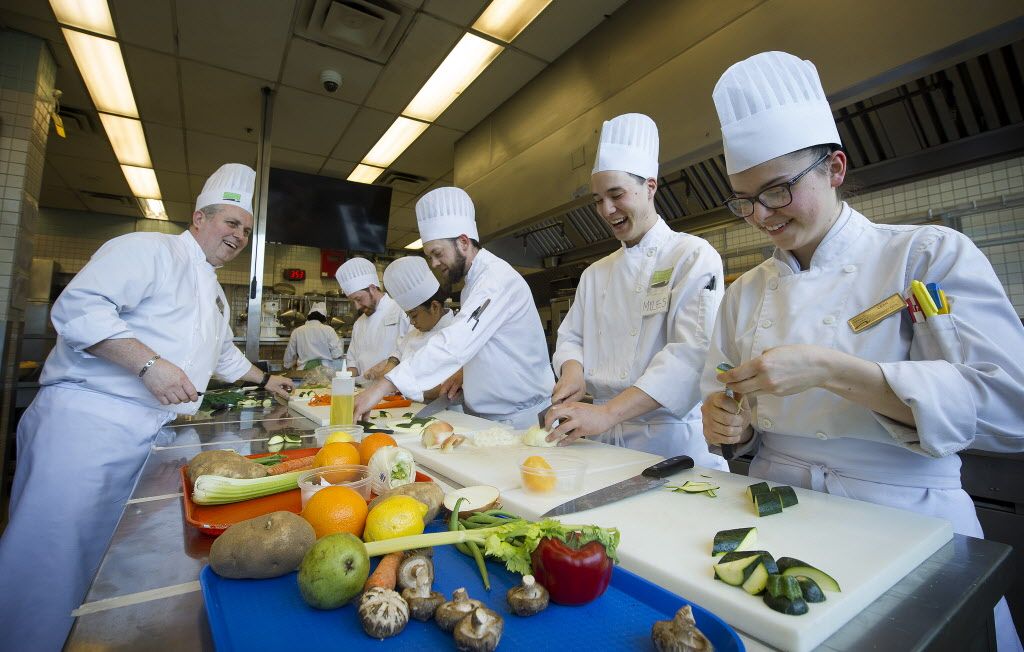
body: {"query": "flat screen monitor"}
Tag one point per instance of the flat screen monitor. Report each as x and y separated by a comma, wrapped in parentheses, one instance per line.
(327, 213)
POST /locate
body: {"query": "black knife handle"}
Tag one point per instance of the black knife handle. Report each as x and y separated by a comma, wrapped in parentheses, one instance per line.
(667, 467)
(727, 452)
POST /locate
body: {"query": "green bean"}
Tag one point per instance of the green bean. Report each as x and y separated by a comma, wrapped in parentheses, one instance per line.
(454, 524)
(480, 564)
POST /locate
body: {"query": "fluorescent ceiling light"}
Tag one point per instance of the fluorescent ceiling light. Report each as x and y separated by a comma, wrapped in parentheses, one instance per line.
(365, 174)
(505, 19)
(463, 64)
(399, 135)
(127, 139)
(142, 181)
(91, 15)
(153, 209)
(102, 68)
(417, 244)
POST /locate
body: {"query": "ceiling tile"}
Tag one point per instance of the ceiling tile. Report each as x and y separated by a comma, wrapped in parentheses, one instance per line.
(461, 12)
(249, 37)
(37, 12)
(174, 186)
(561, 24)
(287, 159)
(206, 153)
(366, 128)
(402, 218)
(425, 46)
(307, 59)
(308, 123)
(195, 183)
(149, 23)
(85, 145)
(397, 239)
(506, 75)
(154, 79)
(179, 211)
(338, 168)
(221, 102)
(166, 147)
(90, 175)
(403, 198)
(432, 154)
(58, 197)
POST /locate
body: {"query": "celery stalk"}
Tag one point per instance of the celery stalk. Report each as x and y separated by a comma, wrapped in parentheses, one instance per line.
(218, 490)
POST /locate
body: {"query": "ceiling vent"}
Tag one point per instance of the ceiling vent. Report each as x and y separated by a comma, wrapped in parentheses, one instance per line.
(77, 120)
(403, 181)
(110, 198)
(369, 28)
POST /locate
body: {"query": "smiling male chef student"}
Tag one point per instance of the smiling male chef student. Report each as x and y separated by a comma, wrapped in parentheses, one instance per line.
(637, 333)
(497, 337)
(140, 330)
(376, 332)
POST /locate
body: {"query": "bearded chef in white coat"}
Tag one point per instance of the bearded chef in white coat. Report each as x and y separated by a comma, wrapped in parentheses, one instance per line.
(497, 338)
(414, 287)
(140, 330)
(382, 322)
(876, 414)
(637, 333)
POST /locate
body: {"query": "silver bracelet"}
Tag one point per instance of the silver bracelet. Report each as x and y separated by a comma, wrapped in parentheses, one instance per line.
(149, 363)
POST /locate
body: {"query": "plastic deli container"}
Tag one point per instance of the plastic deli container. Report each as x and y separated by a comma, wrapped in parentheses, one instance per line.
(354, 476)
(324, 432)
(565, 475)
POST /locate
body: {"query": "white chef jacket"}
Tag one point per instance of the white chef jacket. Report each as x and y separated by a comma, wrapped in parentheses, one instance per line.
(643, 317)
(375, 337)
(506, 373)
(313, 340)
(159, 289)
(414, 340)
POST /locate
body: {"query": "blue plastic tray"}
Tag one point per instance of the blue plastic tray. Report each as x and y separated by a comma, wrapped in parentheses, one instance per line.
(270, 615)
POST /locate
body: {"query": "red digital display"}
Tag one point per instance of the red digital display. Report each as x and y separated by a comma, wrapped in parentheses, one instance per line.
(293, 274)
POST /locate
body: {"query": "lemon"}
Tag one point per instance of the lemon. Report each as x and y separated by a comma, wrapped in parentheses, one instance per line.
(339, 436)
(398, 516)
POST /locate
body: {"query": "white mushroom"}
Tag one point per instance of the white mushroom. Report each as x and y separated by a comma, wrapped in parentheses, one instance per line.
(480, 631)
(422, 601)
(527, 599)
(382, 613)
(449, 614)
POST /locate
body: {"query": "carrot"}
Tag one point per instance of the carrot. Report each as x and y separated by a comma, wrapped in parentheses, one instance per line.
(386, 573)
(294, 464)
(386, 404)
(320, 399)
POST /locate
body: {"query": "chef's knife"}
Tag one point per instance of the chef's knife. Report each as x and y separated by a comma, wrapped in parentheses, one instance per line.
(649, 478)
(439, 404)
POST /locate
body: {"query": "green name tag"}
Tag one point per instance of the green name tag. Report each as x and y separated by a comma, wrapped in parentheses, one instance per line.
(661, 278)
(233, 196)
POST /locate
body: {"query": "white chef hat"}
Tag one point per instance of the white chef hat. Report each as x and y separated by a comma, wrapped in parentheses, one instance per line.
(232, 183)
(320, 307)
(628, 143)
(446, 213)
(410, 282)
(769, 105)
(356, 274)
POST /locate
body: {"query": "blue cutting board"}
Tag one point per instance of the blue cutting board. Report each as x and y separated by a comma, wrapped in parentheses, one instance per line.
(270, 615)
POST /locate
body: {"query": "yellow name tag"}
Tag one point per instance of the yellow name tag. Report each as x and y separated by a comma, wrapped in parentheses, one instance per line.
(877, 313)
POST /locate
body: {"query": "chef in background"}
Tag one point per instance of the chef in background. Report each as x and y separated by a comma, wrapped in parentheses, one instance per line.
(375, 333)
(637, 333)
(839, 387)
(140, 330)
(414, 287)
(496, 339)
(314, 343)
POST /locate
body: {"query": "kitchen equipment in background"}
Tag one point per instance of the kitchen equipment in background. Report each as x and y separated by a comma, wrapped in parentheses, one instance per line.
(650, 478)
(270, 323)
(284, 288)
(291, 318)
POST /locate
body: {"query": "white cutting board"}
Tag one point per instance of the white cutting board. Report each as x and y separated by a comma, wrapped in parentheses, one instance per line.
(321, 414)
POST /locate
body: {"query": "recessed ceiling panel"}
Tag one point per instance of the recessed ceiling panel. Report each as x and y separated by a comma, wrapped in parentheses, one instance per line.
(221, 102)
(431, 155)
(174, 186)
(149, 23)
(287, 159)
(460, 12)
(166, 147)
(154, 79)
(241, 35)
(206, 153)
(338, 168)
(308, 123)
(365, 130)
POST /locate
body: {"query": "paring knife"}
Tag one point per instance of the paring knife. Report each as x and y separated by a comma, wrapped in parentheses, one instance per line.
(649, 478)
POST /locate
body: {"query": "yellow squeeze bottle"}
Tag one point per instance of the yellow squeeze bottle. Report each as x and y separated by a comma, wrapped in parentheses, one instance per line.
(343, 387)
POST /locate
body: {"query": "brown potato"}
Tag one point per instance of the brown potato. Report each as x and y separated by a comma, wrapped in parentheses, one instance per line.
(427, 493)
(266, 546)
(226, 463)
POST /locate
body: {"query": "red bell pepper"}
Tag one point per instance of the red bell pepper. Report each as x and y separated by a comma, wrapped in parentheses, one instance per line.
(573, 574)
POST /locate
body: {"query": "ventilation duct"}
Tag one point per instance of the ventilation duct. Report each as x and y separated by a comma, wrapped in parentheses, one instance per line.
(370, 29)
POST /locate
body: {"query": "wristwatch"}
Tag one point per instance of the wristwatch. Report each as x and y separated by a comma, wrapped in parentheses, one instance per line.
(263, 383)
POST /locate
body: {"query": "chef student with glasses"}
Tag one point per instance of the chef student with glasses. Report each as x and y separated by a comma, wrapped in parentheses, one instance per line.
(838, 386)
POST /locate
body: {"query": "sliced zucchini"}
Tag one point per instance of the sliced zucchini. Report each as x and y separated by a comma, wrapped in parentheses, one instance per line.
(783, 594)
(766, 559)
(795, 568)
(757, 488)
(786, 495)
(691, 487)
(293, 439)
(758, 579)
(735, 573)
(812, 592)
(767, 503)
(743, 538)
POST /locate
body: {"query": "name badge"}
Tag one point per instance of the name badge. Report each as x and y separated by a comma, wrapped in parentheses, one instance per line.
(658, 293)
(876, 313)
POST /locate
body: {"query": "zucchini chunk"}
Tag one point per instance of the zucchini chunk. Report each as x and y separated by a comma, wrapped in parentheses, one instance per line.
(812, 592)
(786, 495)
(794, 567)
(742, 538)
(757, 488)
(735, 573)
(758, 578)
(768, 503)
(783, 594)
(766, 559)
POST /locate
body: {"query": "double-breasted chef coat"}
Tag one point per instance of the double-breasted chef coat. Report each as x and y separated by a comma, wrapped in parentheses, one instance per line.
(642, 317)
(414, 340)
(498, 341)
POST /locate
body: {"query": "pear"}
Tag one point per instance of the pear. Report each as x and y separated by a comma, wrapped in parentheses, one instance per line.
(333, 571)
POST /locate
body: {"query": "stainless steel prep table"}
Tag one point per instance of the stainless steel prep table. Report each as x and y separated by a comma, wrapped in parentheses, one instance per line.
(146, 593)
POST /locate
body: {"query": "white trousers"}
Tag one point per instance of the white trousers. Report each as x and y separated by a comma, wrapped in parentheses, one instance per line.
(80, 454)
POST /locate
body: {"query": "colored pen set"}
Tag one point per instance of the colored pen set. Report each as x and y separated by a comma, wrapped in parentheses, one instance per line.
(926, 301)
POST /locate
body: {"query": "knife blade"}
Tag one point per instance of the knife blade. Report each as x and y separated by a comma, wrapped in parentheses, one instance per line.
(439, 404)
(650, 478)
(542, 415)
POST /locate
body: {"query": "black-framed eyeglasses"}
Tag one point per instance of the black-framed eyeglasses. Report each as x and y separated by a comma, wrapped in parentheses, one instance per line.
(778, 196)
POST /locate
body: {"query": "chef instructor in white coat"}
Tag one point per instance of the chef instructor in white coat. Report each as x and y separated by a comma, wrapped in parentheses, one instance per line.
(497, 338)
(876, 413)
(140, 330)
(637, 333)
(382, 323)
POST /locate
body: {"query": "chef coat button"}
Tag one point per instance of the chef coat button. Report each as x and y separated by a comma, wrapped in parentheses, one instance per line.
(773, 284)
(767, 323)
(766, 423)
(828, 321)
(849, 269)
(821, 435)
(638, 289)
(622, 375)
(633, 332)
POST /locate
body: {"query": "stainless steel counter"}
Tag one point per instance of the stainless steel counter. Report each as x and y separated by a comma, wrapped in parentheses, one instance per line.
(146, 595)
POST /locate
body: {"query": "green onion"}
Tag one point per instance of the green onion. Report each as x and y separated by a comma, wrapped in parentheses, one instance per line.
(218, 490)
(269, 460)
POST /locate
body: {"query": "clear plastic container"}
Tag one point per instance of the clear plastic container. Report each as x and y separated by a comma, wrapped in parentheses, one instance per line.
(354, 476)
(343, 389)
(324, 432)
(565, 475)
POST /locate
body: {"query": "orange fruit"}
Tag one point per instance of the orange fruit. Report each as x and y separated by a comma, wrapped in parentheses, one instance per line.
(336, 453)
(371, 443)
(537, 474)
(336, 509)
